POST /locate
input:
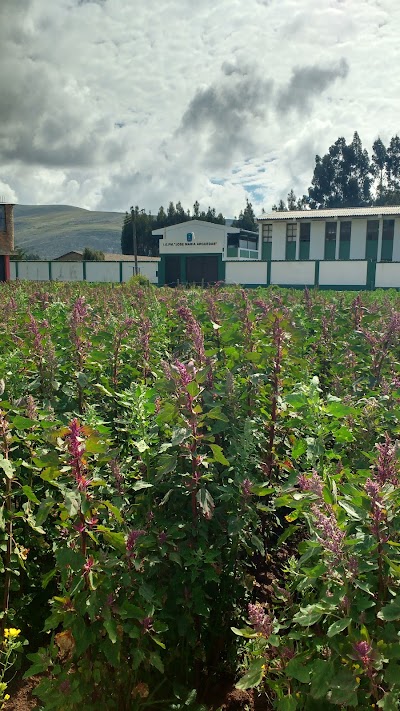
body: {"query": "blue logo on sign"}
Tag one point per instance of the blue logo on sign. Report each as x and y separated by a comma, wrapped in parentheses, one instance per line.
(189, 237)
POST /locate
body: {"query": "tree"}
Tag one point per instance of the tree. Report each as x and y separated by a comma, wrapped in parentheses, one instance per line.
(393, 163)
(291, 200)
(247, 219)
(147, 244)
(379, 160)
(21, 255)
(342, 177)
(92, 255)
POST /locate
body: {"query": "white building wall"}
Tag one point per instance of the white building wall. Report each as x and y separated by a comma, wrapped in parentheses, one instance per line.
(67, 271)
(387, 274)
(102, 271)
(149, 269)
(317, 239)
(246, 272)
(343, 273)
(358, 239)
(33, 271)
(296, 273)
(208, 238)
(278, 240)
(396, 241)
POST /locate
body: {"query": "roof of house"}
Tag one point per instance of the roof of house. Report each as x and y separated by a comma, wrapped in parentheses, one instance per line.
(112, 257)
(392, 210)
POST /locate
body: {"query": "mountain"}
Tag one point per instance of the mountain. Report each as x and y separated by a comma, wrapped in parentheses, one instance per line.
(52, 230)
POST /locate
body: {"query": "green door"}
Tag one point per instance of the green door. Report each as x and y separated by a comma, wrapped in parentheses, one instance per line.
(330, 241)
(387, 241)
(304, 250)
(266, 251)
(371, 246)
(344, 240)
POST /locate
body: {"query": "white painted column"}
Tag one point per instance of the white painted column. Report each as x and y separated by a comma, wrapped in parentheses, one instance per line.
(337, 243)
(380, 233)
(297, 241)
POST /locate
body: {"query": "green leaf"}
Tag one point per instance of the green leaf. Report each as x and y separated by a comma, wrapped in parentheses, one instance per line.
(193, 389)
(338, 626)
(167, 463)
(247, 632)
(216, 414)
(343, 688)
(351, 511)
(30, 494)
(219, 455)
(309, 615)
(338, 410)
(110, 626)
(343, 434)
(82, 379)
(254, 675)
(299, 448)
(322, 671)
(141, 446)
(139, 485)
(262, 489)
(390, 612)
(72, 502)
(155, 661)
(390, 702)
(206, 502)
(7, 467)
(295, 670)
(114, 510)
(23, 423)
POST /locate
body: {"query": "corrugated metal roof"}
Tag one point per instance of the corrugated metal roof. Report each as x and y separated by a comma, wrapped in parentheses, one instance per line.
(331, 214)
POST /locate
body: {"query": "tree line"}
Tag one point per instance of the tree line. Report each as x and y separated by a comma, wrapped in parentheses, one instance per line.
(346, 176)
(145, 223)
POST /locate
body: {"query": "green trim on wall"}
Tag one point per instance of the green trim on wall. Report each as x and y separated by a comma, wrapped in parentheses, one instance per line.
(120, 272)
(84, 270)
(50, 272)
(221, 268)
(316, 276)
(371, 275)
(16, 268)
(269, 264)
(161, 271)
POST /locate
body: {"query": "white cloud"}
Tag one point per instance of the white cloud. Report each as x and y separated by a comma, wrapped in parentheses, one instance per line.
(106, 103)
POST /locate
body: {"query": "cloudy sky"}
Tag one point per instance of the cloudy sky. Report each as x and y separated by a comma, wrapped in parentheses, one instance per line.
(106, 103)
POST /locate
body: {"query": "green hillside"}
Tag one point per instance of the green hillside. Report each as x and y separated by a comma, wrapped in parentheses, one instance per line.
(52, 230)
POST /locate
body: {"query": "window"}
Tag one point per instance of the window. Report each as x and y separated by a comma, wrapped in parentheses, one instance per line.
(266, 242)
(373, 230)
(330, 240)
(233, 240)
(344, 240)
(371, 248)
(305, 230)
(267, 233)
(2, 218)
(291, 234)
(387, 241)
(248, 241)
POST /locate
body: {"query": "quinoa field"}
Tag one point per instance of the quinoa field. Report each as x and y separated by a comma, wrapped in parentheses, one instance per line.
(200, 505)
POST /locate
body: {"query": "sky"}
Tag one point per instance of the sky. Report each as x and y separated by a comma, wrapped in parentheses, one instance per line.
(109, 103)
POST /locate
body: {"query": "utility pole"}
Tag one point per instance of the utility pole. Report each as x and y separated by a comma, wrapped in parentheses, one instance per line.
(133, 217)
